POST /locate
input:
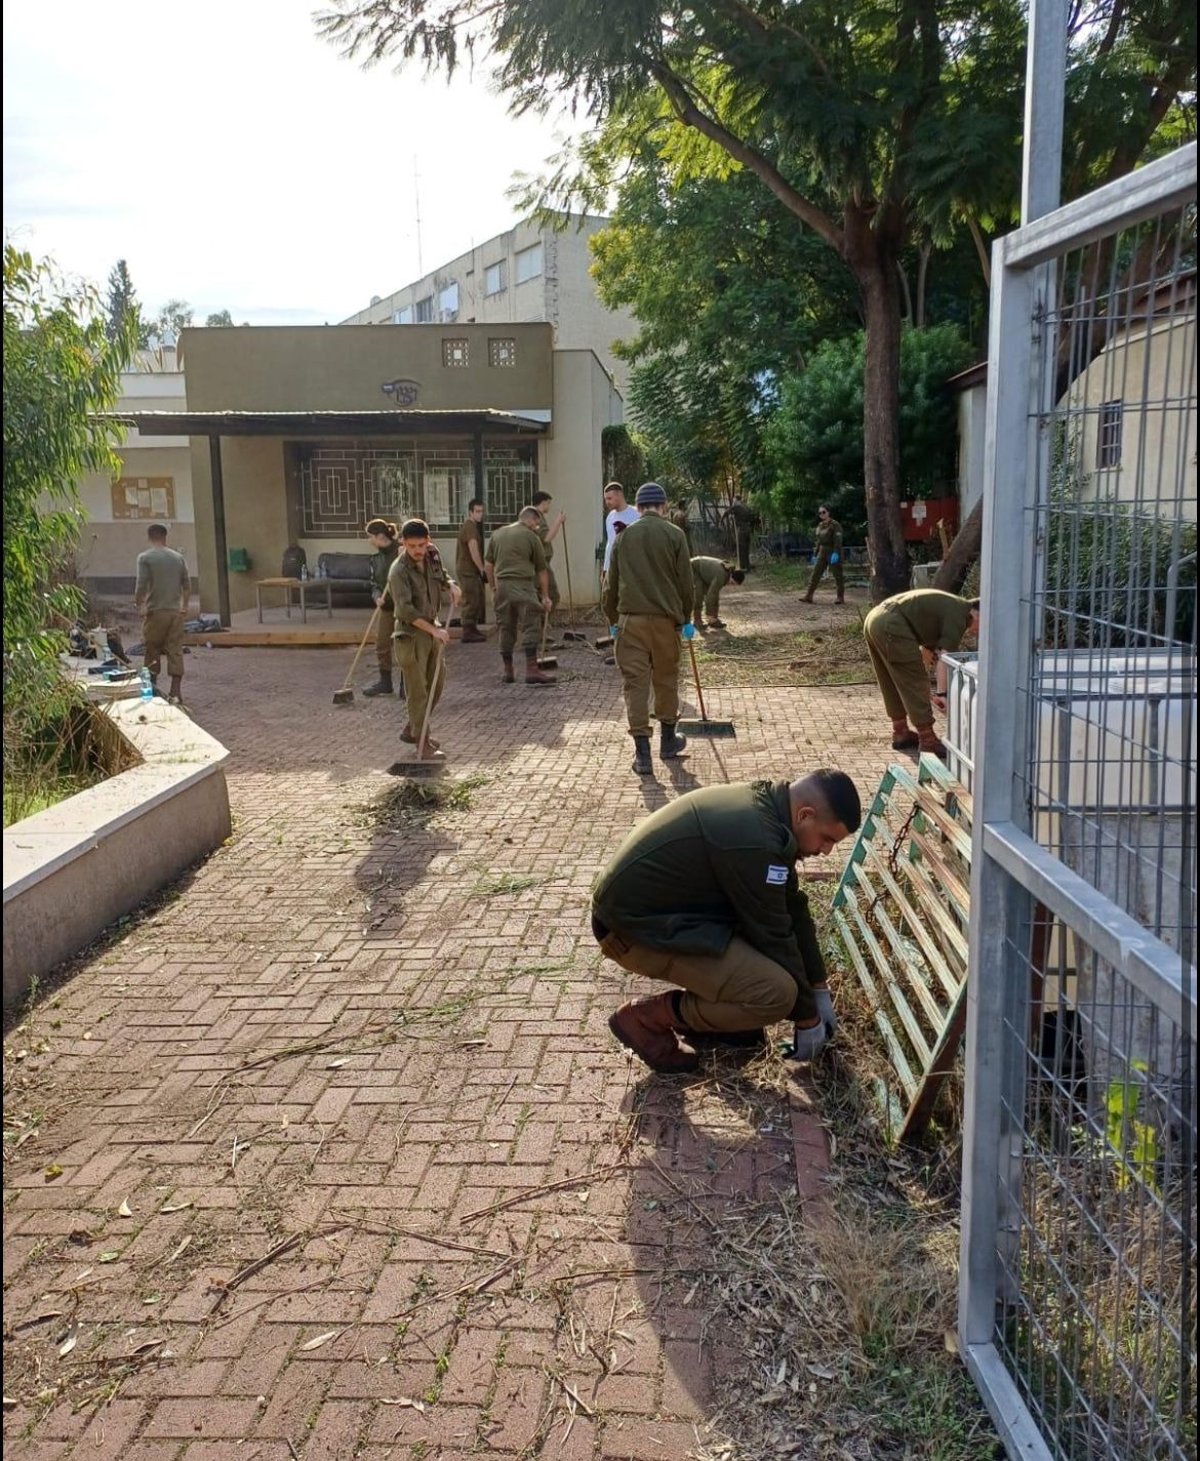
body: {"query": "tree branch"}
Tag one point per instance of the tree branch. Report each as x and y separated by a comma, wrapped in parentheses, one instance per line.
(985, 262)
(692, 116)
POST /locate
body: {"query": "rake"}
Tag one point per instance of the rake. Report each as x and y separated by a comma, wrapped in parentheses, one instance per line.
(703, 726)
(345, 695)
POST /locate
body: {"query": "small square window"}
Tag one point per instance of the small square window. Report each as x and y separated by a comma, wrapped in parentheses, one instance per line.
(455, 353)
(1108, 438)
(493, 278)
(502, 352)
(529, 263)
(425, 310)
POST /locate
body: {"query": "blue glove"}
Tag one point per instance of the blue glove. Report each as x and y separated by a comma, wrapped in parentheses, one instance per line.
(835, 558)
(825, 1010)
(612, 629)
(689, 630)
(807, 1044)
(812, 562)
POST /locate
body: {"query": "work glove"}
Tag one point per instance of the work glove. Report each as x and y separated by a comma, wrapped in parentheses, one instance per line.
(612, 629)
(826, 1011)
(835, 558)
(807, 1044)
(812, 562)
(689, 631)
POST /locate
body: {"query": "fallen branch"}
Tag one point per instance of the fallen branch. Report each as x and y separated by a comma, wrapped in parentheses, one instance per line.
(562, 1186)
(285, 1245)
(471, 1287)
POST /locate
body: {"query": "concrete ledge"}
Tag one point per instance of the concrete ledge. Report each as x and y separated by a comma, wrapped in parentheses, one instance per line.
(75, 868)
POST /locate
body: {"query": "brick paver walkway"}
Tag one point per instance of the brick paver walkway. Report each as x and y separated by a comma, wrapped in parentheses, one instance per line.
(367, 1055)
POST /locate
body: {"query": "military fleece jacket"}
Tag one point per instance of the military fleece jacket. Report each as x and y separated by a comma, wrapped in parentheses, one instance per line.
(714, 863)
(709, 571)
(934, 619)
(516, 554)
(829, 536)
(381, 564)
(416, 592)
(650, 572)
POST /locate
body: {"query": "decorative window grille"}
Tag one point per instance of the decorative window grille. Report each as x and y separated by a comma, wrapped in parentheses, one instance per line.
(502, 352)
(1108, 441)
(456, 353)
(510, 480)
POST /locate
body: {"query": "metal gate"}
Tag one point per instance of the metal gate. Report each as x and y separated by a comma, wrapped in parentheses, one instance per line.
(1077, 1306)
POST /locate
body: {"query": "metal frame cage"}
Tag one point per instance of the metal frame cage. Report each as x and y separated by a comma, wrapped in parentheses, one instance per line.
(1076, 732)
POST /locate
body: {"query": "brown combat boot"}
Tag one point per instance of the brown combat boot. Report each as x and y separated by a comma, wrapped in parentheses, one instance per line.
(509, 677)
(534, 676)
(648, 1028)
(928, 740)
(473, 636)
(904, 738)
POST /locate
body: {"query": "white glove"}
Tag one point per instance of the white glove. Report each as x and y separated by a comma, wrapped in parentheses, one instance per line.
(807, 1043)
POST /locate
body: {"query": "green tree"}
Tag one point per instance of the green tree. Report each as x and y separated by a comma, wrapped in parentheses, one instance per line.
(222, 317)
(174, 316)
(908, 113)
(62, 365)
(122, 301)
(815, 439)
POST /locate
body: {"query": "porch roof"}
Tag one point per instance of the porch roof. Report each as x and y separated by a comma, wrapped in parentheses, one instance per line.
(328, 423)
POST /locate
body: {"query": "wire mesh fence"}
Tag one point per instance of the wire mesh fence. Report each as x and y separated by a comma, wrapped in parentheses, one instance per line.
(1081, 1126)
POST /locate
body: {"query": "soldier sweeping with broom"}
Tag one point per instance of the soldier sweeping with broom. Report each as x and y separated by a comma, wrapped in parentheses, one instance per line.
(415, 584)
(648, 599)
(704, 896)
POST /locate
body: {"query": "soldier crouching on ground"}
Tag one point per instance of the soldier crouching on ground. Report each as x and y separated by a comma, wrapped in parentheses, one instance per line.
(704, 894)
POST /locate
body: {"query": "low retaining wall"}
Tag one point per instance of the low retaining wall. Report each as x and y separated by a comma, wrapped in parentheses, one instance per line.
(75, 868)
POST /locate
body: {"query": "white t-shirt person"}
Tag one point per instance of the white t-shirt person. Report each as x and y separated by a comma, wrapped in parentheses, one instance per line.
(624, 516)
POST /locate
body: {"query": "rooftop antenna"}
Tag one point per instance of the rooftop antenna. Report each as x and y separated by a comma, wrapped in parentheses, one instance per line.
(417, 200)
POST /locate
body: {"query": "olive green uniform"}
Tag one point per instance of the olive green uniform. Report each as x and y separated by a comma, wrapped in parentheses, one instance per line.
(741, 514)
(381, 562)
(896, 631)
(416, 591)
(679, 516)
(709, 576)
(517, 557)
(543, 533)
(164, 583)
(704, 894)
(829, 541)
(648, 595)
(470, 579)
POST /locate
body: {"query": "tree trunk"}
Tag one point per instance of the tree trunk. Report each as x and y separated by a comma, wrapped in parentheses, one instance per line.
(963, 552)
(878, 280)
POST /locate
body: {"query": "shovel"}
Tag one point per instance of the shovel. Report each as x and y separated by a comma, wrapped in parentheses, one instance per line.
(703, 726)
(346, 694)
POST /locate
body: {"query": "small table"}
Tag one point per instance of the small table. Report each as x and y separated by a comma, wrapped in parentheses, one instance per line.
(302, 585)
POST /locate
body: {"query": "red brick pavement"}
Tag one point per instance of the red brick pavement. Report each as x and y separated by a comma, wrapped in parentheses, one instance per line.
(375, 1041)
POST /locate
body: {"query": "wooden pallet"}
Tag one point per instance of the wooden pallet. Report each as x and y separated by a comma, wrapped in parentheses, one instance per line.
(902, 909)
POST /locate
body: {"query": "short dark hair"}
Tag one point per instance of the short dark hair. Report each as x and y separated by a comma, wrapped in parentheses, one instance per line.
(381, 529)
(839, 794)
(157, 531)
(737, 575)
(415, 527)
(824, 507)
(541, 497)
(530, 514)
(474, 503)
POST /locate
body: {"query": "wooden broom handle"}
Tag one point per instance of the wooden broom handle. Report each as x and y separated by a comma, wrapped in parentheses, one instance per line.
(691, 644)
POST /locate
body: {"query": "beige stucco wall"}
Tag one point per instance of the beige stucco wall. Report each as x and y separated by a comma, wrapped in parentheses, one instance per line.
(564, 294)
(255, 513)
(317, 368)
(1154, 375)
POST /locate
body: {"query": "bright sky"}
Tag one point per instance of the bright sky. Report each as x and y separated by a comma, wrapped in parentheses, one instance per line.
(235, 160)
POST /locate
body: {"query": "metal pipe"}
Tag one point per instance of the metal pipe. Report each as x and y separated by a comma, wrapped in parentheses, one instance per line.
(1173, 592)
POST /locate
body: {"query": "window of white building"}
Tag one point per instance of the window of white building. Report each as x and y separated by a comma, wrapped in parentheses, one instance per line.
(425, 310)
(493, 278)
(403, 316)
(448, 300)
(529, 263)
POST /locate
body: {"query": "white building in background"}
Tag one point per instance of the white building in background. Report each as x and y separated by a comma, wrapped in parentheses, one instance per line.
(529, 274)
(154, 483)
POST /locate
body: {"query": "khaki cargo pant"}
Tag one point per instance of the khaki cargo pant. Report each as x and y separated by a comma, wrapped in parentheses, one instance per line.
(647, 654)
(473, 602)
(711, 597)
(899, 668)
(818, 574)
(385, 629)
(518, 614)
(419, 657)
(162, 633)
(555, 596)
(740, 989)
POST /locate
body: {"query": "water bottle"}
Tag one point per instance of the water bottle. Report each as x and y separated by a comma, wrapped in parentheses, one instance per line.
(304, 571)
(147, 683)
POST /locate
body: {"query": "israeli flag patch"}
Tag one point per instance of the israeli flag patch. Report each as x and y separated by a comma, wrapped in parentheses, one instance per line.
(777, 874)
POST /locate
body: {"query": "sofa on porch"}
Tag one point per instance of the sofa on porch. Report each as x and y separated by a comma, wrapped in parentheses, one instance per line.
(349, 576)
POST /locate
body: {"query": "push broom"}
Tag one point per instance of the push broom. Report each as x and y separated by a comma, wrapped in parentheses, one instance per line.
(346, 694)
(703, 726)
(428, 766)
(571, 633)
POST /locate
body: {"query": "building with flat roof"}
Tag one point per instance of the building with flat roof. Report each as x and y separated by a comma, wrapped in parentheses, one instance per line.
(532, 273)
(299, 435)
